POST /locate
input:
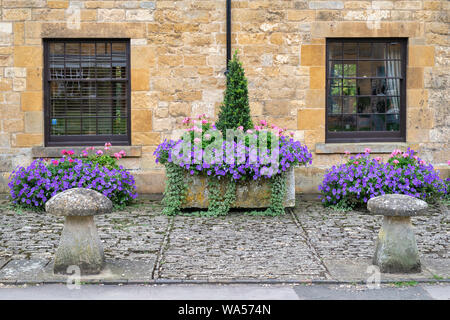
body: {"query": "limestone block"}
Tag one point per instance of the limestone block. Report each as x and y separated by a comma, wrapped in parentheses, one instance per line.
(312, 55)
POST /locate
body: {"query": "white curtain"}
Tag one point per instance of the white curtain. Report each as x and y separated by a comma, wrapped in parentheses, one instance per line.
(393, 70)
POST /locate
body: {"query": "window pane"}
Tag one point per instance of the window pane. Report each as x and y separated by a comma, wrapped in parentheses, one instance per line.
(379, 104)
(350, 50)
(379, 50)
(58, 127)
(364, 105)
(349, 69)
(335, 50)
(335, 105)
(334, 123)
(349, 87)
(89, 126)
(349, 105)
(393, 122)
(378, 122)
(104, 126)
(349, 123)
(364, 87)
(73, 126)
(365, 50)
(364, 122)
(335, 87)
(378, 86)
(371, 69)
(336, 70)
(394, 51)
(393, 87)
(120, 126)
(393, 104)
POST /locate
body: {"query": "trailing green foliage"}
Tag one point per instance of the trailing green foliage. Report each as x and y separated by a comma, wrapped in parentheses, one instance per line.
(219, 205)
(175, 191)
(235, 109)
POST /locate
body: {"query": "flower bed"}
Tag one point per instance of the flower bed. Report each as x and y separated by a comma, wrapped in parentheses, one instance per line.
(32, 186)
(352, 184)
(262, 153)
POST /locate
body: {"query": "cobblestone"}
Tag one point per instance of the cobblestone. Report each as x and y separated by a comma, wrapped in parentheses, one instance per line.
(294, 246)
(344, 235)
(239, 247)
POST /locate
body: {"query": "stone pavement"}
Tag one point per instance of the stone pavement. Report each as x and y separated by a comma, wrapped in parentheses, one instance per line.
(308, 244)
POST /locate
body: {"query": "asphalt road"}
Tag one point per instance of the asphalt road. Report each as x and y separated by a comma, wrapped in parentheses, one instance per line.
(225, 292)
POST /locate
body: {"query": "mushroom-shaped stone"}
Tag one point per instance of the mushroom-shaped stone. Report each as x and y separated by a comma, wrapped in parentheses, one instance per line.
(396, 248)
(80, 244)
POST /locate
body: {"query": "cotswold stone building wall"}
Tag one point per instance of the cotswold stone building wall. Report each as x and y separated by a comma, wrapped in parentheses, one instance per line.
(178, 51)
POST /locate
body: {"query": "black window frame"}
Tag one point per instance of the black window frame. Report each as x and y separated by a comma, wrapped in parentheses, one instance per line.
(368, 136)
(85, 140)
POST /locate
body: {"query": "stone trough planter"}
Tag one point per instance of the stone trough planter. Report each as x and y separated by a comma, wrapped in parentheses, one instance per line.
(249, 194)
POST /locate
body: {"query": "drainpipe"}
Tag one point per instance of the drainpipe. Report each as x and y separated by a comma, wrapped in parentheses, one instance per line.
(228, 34)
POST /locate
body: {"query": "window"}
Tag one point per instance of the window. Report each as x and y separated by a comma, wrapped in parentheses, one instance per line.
(87, 92)
(366, 87)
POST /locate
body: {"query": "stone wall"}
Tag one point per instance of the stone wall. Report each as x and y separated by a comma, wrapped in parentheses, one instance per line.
(178, 51)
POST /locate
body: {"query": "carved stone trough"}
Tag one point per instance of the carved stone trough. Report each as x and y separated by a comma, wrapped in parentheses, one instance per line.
(249, 194)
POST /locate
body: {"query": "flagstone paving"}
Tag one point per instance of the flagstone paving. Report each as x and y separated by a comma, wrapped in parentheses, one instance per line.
(308, 243)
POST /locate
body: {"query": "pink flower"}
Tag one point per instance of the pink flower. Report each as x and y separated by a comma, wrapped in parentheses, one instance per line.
(92, 148)
(347, 152)
(186, 120)
(395, 161)
(249, 131)
(405, 155)
(448, 162)
(356, 162)
(197, 140)
(84, 153)
(291, 134)
(71, 160)
(108, 144)
(106, 148)
(378, 159)
(207, 136)
(263, 122)
(117, 155)
(70, 152)
(55, 162)
(415, 157)
(240, 128)
(396, 152)
(367, 150)
(421, 162)
(122, 153)
(204, 121)
(63, 151)
(99, 152)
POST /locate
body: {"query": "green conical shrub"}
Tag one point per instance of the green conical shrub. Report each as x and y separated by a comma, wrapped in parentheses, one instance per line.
(235, 109)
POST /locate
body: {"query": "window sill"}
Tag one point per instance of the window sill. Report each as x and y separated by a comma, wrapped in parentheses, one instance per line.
(55, 152)
(375, 147)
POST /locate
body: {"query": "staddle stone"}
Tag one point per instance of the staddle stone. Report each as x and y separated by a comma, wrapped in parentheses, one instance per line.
(80, 244)
(396, 248)
(396, 205)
